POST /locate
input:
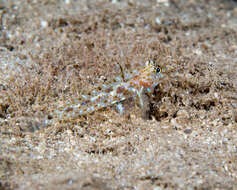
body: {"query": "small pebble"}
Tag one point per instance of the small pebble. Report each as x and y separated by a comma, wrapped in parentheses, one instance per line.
(182, 113)
(187, 131)
(44, 24)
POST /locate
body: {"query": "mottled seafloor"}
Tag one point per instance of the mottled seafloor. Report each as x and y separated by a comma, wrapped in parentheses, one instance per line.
(52, 52)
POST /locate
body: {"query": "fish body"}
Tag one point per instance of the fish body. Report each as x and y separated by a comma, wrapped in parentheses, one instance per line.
(143, 80)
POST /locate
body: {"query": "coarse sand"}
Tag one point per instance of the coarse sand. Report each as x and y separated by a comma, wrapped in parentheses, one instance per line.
(54, 51)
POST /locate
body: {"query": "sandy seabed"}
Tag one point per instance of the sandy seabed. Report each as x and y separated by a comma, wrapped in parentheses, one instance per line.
(54, 51)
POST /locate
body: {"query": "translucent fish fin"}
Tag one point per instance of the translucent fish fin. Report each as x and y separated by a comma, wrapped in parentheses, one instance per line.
(119, 108)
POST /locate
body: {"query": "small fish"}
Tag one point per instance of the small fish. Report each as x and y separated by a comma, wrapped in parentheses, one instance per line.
(143, 80)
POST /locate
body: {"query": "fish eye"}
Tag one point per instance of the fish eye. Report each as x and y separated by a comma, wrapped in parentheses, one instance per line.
(158, 70)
